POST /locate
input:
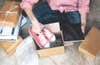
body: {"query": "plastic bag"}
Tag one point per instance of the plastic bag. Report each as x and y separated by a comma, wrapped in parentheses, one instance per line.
(25, 54)
(5, 59)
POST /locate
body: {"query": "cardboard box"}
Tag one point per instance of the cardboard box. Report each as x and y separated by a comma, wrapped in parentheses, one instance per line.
(9, 14)
(10, 46)
(10, 33)
(10, 20)
(57, 47)
(91, 45)
(54, 49)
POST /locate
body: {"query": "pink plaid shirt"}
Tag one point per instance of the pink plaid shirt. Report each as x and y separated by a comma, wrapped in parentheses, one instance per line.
(63, 5)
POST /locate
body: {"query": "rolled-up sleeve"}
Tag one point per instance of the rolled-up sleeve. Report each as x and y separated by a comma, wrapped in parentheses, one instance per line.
(33, 1)
(28, 3)
(83, 6)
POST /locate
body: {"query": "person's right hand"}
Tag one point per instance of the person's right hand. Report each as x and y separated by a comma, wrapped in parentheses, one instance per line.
(36, 28)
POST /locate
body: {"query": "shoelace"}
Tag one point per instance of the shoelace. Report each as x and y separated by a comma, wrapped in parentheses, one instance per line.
(43, 40)
(49, 34)
(40, 39)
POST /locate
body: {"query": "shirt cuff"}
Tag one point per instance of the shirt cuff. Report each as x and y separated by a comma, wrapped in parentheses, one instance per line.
(84, 10)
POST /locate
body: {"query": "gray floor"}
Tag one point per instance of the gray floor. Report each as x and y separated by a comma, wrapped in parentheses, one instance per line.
(72, 56)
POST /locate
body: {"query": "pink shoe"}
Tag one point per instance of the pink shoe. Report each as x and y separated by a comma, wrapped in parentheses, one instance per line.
(49, 34)
(40, 39)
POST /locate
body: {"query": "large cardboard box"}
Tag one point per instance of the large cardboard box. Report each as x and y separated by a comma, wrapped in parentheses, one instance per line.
(10, 20)
(10, 46)
(9, 14)
(91, 45)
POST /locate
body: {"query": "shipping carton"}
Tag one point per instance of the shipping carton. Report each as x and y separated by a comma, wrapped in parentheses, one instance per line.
(91, 45)
(9, 14)
(10, 20)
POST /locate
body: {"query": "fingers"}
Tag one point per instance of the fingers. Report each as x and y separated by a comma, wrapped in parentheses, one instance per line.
(36, 29)
(83, 29)
(83, 26)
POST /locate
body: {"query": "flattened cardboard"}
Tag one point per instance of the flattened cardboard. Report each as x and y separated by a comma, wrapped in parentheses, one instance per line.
(91, 45)
(10, 46)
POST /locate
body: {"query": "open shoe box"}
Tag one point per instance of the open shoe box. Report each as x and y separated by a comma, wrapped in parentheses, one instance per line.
(57, 47)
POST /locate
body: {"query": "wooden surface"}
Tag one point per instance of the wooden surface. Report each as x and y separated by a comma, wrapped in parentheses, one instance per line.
(91, 45)
(51, 51)
(10, 46)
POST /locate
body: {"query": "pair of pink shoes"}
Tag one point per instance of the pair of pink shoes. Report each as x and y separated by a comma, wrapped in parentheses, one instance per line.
(44, 38)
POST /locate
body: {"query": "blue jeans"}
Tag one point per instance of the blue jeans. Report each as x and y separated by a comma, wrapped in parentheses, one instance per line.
(45, 15)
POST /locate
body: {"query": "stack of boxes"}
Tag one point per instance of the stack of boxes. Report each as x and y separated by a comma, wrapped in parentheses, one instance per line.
(9, 26)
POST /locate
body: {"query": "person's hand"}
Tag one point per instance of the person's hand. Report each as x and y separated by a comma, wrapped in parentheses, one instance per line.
(36, 28)
(83, 26)
(83, 21)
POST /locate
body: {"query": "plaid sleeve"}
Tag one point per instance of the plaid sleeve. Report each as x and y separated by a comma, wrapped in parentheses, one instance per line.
(28, 3)
(83, 6)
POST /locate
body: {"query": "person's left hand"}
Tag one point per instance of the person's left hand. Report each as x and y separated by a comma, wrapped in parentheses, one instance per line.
(83, 26)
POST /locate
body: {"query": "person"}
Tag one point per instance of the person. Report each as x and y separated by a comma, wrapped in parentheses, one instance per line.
(67, 11)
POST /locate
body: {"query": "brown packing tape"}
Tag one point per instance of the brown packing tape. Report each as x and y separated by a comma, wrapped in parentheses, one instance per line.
(9, 14)
(91, 45)
(10, 46)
